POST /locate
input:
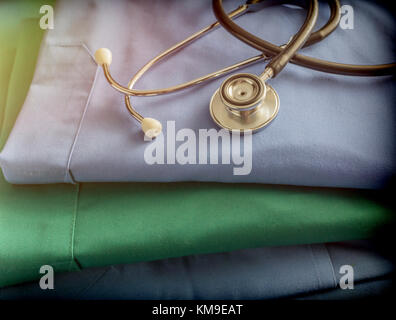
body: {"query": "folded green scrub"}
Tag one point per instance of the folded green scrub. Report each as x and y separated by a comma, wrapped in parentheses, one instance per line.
(83, 225)
(70, 227)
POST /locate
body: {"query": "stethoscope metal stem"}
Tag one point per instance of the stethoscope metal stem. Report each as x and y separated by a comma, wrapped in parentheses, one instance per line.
(129, 91)
(133, 92)
(233, 14)
(154, 92)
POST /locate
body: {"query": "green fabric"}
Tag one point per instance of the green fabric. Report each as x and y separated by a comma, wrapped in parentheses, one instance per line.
(188, 218)
(36, 222)
(19, 28)
(74, 226)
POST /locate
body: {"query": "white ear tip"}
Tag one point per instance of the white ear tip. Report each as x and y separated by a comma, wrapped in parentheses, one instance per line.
(151, 127)
(103, 55)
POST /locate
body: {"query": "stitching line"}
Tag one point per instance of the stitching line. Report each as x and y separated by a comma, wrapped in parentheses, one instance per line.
(332, 265)
(68, 171)
(315, 267)
(73, 226)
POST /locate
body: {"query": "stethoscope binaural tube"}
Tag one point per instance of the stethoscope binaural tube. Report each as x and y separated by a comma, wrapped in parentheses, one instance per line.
(279, 61)
(308, 62)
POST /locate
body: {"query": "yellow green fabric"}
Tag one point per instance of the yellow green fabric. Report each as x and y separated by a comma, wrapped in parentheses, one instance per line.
(84, 225)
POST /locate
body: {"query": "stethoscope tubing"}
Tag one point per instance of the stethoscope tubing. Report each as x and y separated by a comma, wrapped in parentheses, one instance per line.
(279, 61)
(299, 59)
(279, 56)
(314, 37)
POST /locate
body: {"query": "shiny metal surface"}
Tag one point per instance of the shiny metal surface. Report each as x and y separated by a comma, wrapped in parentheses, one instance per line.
(242, 91)
(254, 118)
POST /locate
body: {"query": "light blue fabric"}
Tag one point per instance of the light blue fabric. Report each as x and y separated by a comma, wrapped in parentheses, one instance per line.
(331, 130)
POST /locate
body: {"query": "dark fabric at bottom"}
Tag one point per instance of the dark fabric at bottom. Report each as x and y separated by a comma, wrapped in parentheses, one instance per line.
(263, 273)
(384, 288)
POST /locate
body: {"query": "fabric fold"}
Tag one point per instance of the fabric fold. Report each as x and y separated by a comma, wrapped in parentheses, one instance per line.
(61, 81)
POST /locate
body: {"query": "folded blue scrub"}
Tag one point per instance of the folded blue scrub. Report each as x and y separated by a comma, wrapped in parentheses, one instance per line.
(270, 272)
(331, 130)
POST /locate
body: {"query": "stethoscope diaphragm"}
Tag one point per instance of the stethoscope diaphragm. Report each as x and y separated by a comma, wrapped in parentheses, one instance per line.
(244, 102)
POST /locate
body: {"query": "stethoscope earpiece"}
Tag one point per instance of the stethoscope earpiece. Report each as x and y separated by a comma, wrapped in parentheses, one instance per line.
(151, 127)
(103, 56)
(244, 102)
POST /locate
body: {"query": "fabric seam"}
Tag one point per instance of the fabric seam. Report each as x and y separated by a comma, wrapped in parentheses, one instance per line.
(68, 171)
(73, 227)
(332, 265)
(315, 267)
(69, 159)
(89, 286)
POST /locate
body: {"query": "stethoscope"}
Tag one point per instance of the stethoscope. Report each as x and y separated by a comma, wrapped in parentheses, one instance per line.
(246, 102)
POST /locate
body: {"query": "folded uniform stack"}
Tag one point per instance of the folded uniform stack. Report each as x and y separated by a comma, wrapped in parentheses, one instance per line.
(332, 131)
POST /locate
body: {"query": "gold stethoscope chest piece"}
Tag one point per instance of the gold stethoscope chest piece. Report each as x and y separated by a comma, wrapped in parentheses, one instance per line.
(244, 102)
